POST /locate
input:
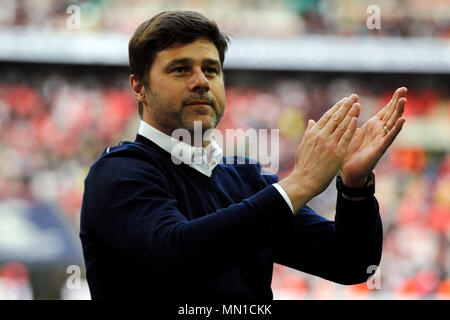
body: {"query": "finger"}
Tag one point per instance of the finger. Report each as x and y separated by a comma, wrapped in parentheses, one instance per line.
(392, 134)
(400, 107)
(311, 124)
(327, 115)
(392, 105)
(347, 136)
(383, 111)
(340, 114)
(357, 139)
(363, 132)
(342, 127)
(400, 92)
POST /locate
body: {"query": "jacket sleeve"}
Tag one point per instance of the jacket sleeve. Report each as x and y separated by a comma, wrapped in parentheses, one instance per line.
(128, 206)
(340, 251)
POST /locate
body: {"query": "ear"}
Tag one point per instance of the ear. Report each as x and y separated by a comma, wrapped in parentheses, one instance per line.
(138, 88)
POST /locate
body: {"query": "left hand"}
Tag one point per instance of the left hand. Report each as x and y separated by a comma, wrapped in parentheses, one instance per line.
(371, 141)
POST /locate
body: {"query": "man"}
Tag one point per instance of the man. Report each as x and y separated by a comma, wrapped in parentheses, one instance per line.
(151, 228)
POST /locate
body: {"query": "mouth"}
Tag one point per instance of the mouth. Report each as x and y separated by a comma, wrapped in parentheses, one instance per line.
(198, 103)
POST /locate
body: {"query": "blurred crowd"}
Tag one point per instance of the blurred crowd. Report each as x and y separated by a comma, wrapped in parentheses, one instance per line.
(54, 124)
(276, 18)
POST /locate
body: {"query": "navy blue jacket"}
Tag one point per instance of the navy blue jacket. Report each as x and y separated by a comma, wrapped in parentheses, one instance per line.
(154, 229)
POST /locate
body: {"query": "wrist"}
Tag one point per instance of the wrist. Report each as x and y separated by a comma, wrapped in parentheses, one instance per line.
(298, 192)
(359, 192)
(358, 182)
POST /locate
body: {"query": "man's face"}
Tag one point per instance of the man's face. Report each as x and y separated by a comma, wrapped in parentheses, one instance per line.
(186, 85)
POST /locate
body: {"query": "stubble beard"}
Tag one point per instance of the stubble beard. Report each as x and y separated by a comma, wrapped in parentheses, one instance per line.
(170, 119)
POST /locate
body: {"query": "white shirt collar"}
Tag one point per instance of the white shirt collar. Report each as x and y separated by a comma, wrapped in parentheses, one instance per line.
(203, 160)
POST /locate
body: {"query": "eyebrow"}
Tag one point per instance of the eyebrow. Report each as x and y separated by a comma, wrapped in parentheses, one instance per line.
(189, 61)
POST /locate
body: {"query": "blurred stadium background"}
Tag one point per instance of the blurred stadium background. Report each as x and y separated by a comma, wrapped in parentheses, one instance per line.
(64, 97)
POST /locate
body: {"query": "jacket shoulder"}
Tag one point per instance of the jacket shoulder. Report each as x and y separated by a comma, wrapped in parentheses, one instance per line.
(127, 156)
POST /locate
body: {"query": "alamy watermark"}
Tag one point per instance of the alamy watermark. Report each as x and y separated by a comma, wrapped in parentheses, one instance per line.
(250, 146)
(374, 20)
(374, 281)
(73, 282)
(74, 19)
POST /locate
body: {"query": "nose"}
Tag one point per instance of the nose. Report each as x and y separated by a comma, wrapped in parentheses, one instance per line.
(198, 82)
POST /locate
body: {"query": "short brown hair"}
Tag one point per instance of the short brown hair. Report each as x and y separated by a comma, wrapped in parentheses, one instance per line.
(163, 30)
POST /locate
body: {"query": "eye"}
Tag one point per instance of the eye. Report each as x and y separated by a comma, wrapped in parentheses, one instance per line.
(180, 70)
(211, 70)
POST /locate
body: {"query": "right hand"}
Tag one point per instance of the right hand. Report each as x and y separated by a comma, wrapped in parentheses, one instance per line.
(321, 151)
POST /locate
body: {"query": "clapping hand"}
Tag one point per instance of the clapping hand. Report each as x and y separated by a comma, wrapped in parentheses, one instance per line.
(321, 151)
(371, 141)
